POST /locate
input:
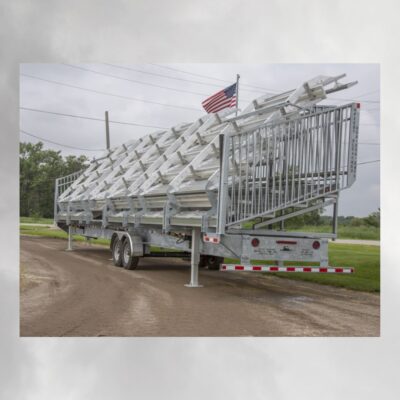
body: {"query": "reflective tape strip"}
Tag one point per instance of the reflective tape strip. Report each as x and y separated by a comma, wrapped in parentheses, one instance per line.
(273, 268)
(286, 242)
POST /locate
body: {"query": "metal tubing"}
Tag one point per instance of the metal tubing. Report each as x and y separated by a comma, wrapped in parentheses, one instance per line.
(292, 214)
(237, 93)
(69, 248)
(55, 200)
(107, 132)
(194, 270)
(335, 216)
(223, 194)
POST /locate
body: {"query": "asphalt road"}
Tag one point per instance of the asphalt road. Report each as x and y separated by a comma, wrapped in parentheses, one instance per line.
(81, 293)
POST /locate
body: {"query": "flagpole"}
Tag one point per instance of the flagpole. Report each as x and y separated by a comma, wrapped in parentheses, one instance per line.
(237, 93)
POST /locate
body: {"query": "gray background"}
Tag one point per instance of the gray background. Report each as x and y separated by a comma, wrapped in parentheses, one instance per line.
(208, 31)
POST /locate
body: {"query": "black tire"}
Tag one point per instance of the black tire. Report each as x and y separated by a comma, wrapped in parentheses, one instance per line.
(128, 260)
(214, 262)
(117, 252)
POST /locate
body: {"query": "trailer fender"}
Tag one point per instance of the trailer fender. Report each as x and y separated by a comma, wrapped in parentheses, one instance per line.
(135, 242)
(114, 237)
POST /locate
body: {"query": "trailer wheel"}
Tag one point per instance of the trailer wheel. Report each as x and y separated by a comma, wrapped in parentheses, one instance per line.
(214, 262)
(203, 261)
(128, 260)
(117, 252)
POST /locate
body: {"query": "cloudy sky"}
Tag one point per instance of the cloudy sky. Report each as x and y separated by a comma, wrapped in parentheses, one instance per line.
(143, 98)
(177, 31)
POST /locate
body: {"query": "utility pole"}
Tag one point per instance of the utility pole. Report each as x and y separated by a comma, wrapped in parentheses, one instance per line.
(107, 132)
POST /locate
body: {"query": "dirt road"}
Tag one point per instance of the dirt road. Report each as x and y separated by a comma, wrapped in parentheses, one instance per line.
(81, 293)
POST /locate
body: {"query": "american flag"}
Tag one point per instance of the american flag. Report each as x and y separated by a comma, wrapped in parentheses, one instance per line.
(220, 100)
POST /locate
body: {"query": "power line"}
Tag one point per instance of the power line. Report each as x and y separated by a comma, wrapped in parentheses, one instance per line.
(369, 101)
(217, 79)
(135, 81)
(58, 144)
(133, 123)
(175, 78)
(361, 101)
(223, 80)
(126, 123)
(359, 96)
(117, 122)
(368, 162)
(368, 93)
(90, 118)
(85, 149)
(128, 97)
(140, 82)
(109, 94)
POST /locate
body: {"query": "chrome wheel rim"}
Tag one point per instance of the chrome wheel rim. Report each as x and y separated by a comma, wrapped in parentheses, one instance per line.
(116, 251)
(127, 253)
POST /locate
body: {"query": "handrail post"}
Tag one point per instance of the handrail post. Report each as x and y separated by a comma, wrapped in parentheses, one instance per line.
(55, 201)
(335, 217)
(195, 259)
(69, 248)
(223, 181)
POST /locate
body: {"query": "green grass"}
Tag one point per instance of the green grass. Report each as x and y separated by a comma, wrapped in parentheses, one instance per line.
(56, 233)
(35, 220)
(345, 232)
(365, 260)
(60, 234)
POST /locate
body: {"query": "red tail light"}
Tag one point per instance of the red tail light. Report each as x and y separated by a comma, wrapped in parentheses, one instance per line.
(255, 242)
(316, 245)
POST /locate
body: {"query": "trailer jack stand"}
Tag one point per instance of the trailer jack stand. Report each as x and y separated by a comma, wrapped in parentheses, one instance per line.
(195, 259)
(69, 248)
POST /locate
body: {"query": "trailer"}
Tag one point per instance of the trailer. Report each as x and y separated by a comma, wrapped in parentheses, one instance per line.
(214, 188)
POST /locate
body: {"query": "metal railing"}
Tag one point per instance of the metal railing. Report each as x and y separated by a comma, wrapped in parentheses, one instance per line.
(61, 185)
(288, 163)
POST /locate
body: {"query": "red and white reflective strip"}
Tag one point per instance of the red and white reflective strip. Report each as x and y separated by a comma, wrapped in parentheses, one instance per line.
(273, 268)
(286, 242)
(211, 239)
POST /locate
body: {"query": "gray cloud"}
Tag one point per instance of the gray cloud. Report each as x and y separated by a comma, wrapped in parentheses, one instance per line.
(283, 31)
(105, 368)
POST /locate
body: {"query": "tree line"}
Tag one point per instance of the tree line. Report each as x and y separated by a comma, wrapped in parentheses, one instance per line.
(39, 169)
(316, 218)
